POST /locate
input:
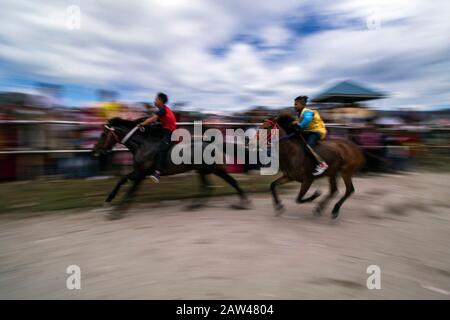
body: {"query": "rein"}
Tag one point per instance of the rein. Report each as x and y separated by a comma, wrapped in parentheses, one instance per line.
(127, 136)
(275, 125)
(288, 136)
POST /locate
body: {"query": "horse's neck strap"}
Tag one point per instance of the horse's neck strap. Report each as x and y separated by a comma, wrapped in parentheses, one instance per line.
(288, 136)
(129, 134)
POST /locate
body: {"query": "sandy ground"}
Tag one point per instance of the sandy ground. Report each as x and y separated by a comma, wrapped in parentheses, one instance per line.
(399, 222)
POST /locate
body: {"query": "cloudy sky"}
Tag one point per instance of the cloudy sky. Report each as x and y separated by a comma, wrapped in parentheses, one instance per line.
(228, 54)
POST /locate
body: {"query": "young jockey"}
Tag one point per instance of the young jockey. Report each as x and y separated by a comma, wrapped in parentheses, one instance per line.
(168, 121)
(313, 128)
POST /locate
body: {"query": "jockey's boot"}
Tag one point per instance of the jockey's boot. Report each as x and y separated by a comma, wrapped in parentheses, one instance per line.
(155, 176)
(320, 168)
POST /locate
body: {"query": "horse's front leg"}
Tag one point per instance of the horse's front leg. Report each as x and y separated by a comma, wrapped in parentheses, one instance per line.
(324, 202)
(306, 184)
(116, 189)
(279, 207)
(123, 205)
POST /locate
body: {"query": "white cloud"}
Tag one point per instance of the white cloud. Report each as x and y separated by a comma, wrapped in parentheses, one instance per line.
(275, 36)
(147, 46)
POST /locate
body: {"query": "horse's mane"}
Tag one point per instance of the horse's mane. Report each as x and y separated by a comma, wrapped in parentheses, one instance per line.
(284, 120)
(153, 130)
(119, 122)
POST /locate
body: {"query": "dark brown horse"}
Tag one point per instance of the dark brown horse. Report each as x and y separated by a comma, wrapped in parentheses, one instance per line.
(143, 145)
(297, 164)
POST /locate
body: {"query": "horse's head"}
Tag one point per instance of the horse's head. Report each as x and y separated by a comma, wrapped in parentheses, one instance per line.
(117, 130)
(107, 141)
(282, 121)
(268, 125)
(113, 132)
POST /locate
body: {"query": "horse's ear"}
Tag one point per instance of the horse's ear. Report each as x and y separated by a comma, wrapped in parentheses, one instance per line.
(112, 121)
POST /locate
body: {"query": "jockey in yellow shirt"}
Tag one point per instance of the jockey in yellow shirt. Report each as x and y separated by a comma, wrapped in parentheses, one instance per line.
(313, 129)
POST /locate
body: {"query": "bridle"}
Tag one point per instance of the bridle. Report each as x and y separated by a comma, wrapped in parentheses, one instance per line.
(111, 132)
(272, 125)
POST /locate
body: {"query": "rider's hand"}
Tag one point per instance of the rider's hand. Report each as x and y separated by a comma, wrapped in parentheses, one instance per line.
(295, 123)
(140, 125)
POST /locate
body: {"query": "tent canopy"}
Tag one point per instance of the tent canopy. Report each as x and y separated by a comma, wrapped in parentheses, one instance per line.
(347, 92)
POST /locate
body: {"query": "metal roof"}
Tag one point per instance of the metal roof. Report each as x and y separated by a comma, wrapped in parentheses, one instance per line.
(348, 92)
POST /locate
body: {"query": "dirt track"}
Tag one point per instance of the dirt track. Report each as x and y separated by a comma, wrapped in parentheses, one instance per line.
(400, 223)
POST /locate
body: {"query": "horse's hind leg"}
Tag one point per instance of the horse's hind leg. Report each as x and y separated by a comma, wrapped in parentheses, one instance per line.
(324, 202)
(279, 207)
(232, 182)
(311, 198)
(304, 189)
(349, 189)
(205, 188)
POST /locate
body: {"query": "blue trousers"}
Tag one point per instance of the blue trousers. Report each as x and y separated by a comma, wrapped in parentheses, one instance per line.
(312, 138)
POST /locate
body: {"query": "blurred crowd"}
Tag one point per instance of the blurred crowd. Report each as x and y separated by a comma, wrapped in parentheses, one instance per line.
(40, 139)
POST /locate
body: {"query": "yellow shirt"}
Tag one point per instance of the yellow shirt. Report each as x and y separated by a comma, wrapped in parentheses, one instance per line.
(316, 124)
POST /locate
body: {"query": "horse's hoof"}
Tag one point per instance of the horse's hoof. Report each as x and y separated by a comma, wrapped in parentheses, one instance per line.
(194, 206)
(279, 209)
(114, 215)
(316, 194)
(107, 204)
(243, 205)
(317, 212)
(334, 214)
(124, 205)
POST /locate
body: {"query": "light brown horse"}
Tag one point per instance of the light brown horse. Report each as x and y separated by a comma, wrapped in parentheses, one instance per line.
(297, 164)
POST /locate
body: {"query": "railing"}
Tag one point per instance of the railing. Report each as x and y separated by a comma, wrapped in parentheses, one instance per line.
(95, 123)
(178, 123)
(245, 124)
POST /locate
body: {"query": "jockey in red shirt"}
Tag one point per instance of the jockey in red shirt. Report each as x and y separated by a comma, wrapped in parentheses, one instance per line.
(169, 123)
